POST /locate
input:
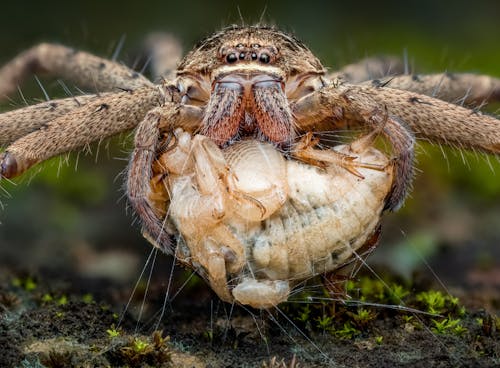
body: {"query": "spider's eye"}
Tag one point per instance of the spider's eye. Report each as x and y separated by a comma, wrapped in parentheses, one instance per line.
(264, 58)
(231, 58)
(254, 56)
(242, 56)
(255, 45)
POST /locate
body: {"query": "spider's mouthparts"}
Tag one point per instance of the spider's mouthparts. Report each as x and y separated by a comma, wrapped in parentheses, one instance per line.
(248, 104)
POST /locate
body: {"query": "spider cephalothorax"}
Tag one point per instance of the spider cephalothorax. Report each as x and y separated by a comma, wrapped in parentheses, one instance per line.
(226, 173)
(248, 77)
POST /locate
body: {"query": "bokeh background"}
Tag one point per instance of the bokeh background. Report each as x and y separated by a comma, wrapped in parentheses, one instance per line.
(68, 217)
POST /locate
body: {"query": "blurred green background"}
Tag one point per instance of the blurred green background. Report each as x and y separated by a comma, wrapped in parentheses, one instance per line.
(64, 216)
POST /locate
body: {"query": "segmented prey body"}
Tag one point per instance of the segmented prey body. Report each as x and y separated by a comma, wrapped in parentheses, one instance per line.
(263, 222)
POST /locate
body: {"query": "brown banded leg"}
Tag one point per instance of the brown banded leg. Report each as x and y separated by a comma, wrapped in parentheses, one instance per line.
(18, 123)
(139, 174)
(81, 68)
(138, 177)
(437, 120)
(368, 69)
(163, 52)
(337, 103)
(427, 117)
(459, 88)
(97, 120)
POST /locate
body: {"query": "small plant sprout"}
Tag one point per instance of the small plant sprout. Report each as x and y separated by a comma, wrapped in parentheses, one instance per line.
(433, 300)
(325, 323)
(88, 298)
(153, 350)
(28, 284)
(139, 345)
(113, 332)
(304, 314)
(447, 325)
(347, 332)
(397, 293)
(46, 298)
(62, 300)
(363, 317)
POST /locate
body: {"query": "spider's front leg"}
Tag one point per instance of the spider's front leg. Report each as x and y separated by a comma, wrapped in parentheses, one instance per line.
(147, 148)
(100, 118)
(80, 68)
(461, 88)
(18, 123)
(394, 109)
(432, 118)
(340, 105)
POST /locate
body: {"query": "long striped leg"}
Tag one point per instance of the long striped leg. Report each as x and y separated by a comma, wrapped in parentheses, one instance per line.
(464, 88)
(97, 120)
(18, 123)
(146, 144)
(81, 68)
(427, 117)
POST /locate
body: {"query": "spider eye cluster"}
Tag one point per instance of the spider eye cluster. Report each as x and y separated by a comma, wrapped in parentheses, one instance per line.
(252, 52)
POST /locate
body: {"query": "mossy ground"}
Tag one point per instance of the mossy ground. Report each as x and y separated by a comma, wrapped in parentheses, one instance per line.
(47, 323)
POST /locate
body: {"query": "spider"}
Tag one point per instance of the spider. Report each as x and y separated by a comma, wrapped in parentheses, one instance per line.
(225, 138)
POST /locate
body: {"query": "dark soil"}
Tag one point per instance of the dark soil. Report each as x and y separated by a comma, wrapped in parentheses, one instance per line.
(50, 320)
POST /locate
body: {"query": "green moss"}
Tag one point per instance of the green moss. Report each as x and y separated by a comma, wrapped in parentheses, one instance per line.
(357, 316)
(304, 314)
(347, 331)
(88, 298)
(27, 283)
(447, 326)
(371, 289)
(324, 323)
(363, 317)
(153, 350)
(432, 300)
(113, 332)
(62, 300)
(46, 298)
(397, 294)
(435, 302)
(59, 314)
